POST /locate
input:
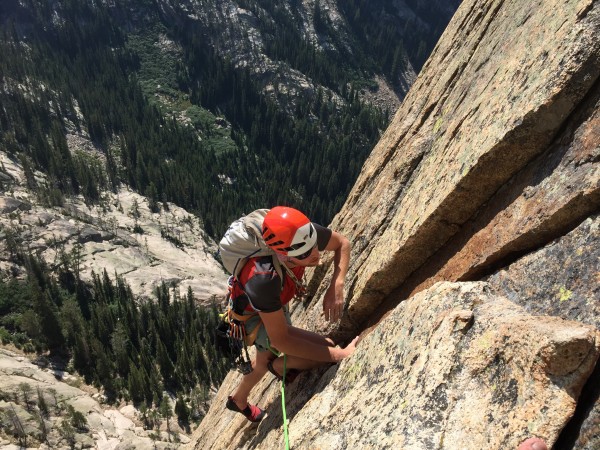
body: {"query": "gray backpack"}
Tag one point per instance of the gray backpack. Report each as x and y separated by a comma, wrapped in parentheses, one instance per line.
(243, 240)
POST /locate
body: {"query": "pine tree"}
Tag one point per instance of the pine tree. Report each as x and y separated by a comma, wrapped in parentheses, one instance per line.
(119, 342)
(135, 383)
(49, 322)
(166, 411)
(164, 361)
(181, 410)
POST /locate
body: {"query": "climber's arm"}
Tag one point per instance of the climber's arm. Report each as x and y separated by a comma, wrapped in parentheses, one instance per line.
(333, 301)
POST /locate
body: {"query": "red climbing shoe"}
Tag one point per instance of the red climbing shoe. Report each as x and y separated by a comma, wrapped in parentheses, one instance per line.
(252, 413)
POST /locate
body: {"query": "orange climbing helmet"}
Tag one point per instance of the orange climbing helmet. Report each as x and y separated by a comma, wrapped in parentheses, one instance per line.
(288, 232)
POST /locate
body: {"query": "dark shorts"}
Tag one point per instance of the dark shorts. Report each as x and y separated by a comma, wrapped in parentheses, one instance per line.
(262, 343)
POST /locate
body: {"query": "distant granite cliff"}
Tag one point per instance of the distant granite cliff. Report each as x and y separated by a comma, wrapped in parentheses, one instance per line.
(475, 269)
(121, 236)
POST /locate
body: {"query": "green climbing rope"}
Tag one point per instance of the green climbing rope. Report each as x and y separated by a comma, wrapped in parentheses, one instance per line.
(285, 423)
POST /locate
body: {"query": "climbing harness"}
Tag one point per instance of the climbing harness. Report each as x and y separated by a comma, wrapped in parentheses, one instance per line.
(231, 333)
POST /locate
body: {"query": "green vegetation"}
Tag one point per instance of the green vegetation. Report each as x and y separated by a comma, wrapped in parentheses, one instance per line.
(157, 64)
(178, 122)
(309, 160)
(284, 41)
(133, 349)
(158, 71)
(388, 45)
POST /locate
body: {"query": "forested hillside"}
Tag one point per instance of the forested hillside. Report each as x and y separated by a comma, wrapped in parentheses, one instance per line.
(79, 73)
(133, 350)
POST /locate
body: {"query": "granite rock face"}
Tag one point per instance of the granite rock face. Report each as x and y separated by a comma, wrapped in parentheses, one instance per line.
(562, 279)
(120, 235)
(553, 193)
(495, 94)
(455, 366)
(475, 268)
(23, 383)
(482, 354)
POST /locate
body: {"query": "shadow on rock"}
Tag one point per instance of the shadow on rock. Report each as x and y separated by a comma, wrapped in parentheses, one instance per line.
(297, 394)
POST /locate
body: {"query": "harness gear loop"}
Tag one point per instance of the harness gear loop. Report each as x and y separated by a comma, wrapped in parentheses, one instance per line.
(239, 321)
(236, 335)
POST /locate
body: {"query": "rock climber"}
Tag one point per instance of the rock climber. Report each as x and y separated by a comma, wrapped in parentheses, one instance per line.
(298, 244)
